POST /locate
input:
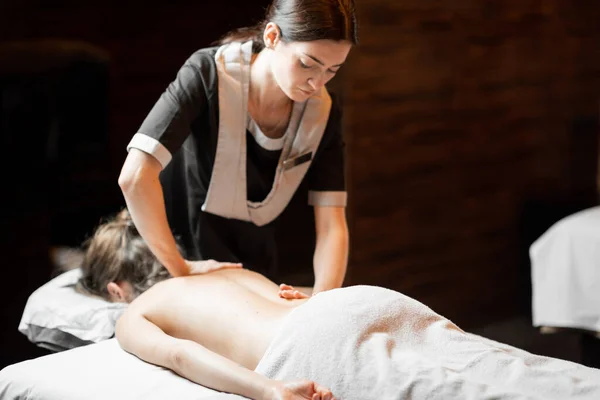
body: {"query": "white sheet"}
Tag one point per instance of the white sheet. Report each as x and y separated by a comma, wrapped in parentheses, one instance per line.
(565, 273)
(99, 371)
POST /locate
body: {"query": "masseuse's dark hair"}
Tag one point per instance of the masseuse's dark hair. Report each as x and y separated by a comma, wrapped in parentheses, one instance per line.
(302, 21)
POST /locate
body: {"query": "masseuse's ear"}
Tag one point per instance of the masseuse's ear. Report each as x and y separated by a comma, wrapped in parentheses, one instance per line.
(271, 35)
(116, 293)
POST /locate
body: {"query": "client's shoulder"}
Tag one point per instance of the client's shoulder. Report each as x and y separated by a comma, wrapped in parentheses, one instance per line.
(160, 294)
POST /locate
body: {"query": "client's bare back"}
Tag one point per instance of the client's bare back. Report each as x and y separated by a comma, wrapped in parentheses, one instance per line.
(233, 312)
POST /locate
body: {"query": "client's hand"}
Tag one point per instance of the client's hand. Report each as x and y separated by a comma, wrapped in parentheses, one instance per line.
(206, 266)
(299, 390)
(290, 293)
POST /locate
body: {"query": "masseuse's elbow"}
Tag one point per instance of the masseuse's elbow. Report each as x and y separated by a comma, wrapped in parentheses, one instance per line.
(139, 168)
(125, 182)
(337, 233)
(130, 177)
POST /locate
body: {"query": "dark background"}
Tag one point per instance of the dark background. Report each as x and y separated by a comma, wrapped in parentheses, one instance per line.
(470, 126)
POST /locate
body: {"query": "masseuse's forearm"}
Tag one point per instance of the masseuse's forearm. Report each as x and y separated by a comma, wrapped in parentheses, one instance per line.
(330, 259)
(144, 197)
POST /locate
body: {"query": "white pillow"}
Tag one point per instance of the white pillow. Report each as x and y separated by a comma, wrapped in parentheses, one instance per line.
(57, 317)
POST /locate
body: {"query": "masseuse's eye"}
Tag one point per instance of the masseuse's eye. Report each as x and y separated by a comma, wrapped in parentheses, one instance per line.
(304, 65)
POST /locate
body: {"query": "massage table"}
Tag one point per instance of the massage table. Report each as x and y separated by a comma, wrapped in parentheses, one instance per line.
(97, 371)
(411, 354)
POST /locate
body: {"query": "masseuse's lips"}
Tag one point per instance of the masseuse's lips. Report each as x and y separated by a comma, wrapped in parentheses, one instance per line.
(306, 92)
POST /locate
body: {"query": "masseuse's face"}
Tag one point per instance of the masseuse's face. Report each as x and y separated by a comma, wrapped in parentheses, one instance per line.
(301, 69)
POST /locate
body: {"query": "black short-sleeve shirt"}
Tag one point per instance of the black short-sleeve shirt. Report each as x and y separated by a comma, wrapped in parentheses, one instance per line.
(181, 131)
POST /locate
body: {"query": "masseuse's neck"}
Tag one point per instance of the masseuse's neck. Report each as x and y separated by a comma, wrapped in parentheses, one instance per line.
(265, 93)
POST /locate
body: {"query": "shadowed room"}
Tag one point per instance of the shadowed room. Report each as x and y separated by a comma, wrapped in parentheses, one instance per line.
(470, 130)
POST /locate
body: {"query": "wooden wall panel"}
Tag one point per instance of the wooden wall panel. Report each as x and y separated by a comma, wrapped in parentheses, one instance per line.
(458, 114)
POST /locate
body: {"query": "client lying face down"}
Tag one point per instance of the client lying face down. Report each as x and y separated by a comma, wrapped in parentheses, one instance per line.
(229, 330)
(213, 348)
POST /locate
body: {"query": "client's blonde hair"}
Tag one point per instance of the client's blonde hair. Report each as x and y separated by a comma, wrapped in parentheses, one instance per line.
(116, 252)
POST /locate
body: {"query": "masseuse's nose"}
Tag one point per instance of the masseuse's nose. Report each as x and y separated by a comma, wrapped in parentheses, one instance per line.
(316, 83)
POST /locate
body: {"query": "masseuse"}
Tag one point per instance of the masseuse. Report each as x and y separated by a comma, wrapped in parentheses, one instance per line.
(225, 147)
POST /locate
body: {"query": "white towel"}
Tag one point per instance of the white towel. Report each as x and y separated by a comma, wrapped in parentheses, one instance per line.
(565, 273)
(366, 342)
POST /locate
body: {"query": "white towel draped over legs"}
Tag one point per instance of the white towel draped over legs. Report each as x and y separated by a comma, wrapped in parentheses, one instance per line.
(366, 342)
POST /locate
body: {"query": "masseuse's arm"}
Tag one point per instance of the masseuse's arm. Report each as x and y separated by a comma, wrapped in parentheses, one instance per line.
(144, 197)
(331, 251)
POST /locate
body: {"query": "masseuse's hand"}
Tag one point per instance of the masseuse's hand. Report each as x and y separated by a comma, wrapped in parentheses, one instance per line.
(290, 293)
(206, 266)
(299, 390)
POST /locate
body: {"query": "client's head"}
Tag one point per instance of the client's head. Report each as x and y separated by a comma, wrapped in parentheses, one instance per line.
(118, 264)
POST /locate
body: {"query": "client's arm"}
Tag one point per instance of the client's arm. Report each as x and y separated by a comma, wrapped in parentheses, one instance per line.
(139, 336)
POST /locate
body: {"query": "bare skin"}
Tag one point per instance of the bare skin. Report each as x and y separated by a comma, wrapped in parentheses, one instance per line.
(213, 329)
